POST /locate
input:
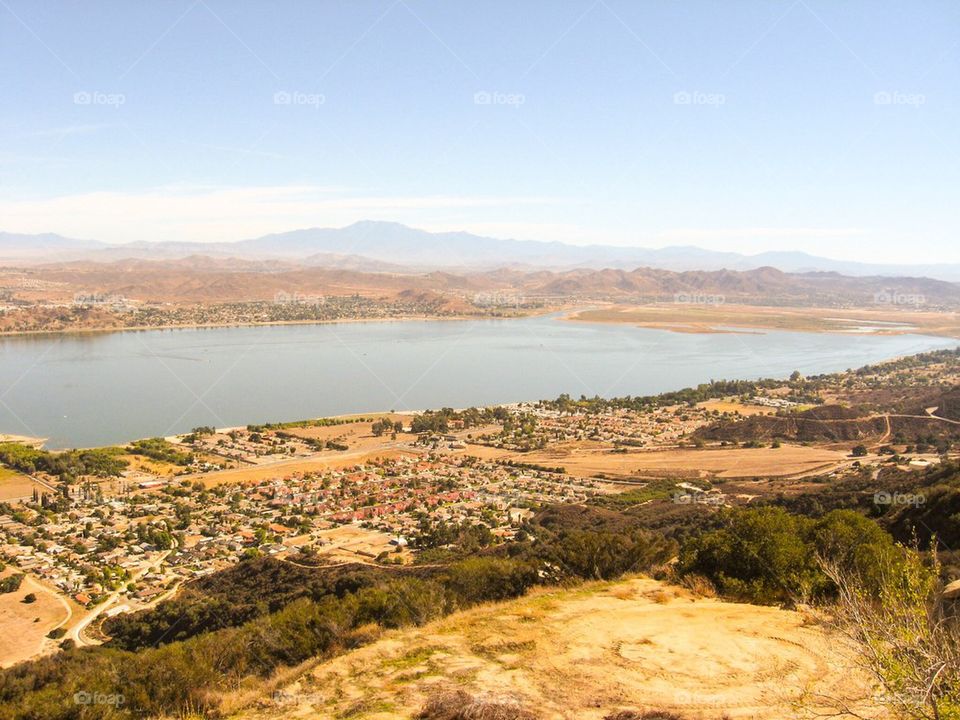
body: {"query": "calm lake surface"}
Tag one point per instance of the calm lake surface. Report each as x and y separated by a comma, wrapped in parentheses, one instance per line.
(96, 389)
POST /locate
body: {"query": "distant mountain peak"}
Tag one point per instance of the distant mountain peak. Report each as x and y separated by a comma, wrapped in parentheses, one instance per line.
(380, 244)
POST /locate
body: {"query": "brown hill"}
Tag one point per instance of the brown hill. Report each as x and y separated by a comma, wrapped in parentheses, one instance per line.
(205, 279)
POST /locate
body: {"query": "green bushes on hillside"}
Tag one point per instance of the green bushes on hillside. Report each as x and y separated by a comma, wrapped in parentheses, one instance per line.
(768, 555)
(265, 614)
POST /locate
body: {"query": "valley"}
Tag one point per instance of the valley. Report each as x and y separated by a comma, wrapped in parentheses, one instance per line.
(126, 539)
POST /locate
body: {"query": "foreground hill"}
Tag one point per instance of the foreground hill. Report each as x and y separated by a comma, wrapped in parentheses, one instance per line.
(587, 653)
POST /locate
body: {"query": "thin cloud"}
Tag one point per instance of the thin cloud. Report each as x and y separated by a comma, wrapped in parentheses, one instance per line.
(210, 214)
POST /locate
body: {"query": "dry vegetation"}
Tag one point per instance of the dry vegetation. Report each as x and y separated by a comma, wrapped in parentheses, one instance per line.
(23, 626)
(588, 653)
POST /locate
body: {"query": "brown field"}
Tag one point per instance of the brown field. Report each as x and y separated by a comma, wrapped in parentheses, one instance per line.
(23, 627)
(358, 435)
(732, 406)
(363, 444)
(323, 461)
(349, 541)
(150, 466)
(13, 485)
(587, 653)
(592, 459)
(684, 317)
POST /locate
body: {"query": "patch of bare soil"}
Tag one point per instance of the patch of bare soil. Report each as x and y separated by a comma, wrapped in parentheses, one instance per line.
(590, 653)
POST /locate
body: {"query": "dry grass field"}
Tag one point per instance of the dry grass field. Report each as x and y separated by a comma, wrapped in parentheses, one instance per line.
(23, 626)
(587, 459)
(283, 468)
(585, 653)
(731, 406)
(13, 485)
(358, 436)
(347, 542)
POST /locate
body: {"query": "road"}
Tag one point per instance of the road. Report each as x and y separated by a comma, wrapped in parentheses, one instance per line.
(76, 632)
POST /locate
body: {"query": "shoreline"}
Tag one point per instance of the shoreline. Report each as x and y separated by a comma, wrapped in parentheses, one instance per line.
(40, 443)
(674, 323)
(274, 323)
(571, 315)
(763, 318)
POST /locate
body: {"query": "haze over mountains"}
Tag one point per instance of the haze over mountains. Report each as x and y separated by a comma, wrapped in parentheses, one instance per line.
(373, 246)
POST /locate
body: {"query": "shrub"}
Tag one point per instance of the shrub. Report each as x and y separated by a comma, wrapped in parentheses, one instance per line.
(461, 705)
(908, 636)
(11, 584)
(767, 555)
(759, 555)
(484, 579)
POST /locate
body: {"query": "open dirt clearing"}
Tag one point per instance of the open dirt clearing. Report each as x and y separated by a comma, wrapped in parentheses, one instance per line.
(24, 638)
(582, 654)
(284, 468)
(14, 486)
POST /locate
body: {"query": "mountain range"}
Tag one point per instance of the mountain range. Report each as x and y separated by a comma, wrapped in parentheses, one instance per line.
(374, 246)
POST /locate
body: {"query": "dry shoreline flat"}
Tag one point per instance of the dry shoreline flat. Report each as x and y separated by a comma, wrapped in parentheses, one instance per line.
(724, 318)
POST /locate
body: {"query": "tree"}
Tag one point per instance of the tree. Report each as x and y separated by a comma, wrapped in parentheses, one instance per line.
(859, 451)
(11, 584)
(768, 555)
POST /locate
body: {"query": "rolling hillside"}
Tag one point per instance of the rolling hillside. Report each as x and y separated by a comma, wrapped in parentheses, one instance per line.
(587, 653)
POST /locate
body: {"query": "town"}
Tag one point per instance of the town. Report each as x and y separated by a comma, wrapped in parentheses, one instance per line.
(115, 530)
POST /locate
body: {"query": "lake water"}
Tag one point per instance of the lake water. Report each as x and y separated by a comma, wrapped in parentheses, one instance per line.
(95, 389)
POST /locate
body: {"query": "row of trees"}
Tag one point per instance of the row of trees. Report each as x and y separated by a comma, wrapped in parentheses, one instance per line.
(68, 465)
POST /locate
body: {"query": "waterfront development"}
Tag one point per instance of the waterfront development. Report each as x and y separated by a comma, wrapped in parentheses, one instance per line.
(112, 531)
(96, 389)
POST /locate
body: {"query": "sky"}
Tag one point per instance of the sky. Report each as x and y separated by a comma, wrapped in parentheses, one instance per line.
(815, 125)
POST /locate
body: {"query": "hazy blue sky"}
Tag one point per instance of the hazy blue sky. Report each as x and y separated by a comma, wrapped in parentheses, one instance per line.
(819, 125)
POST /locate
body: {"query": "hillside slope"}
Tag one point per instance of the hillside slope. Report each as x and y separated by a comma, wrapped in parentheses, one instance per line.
(587, 653)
